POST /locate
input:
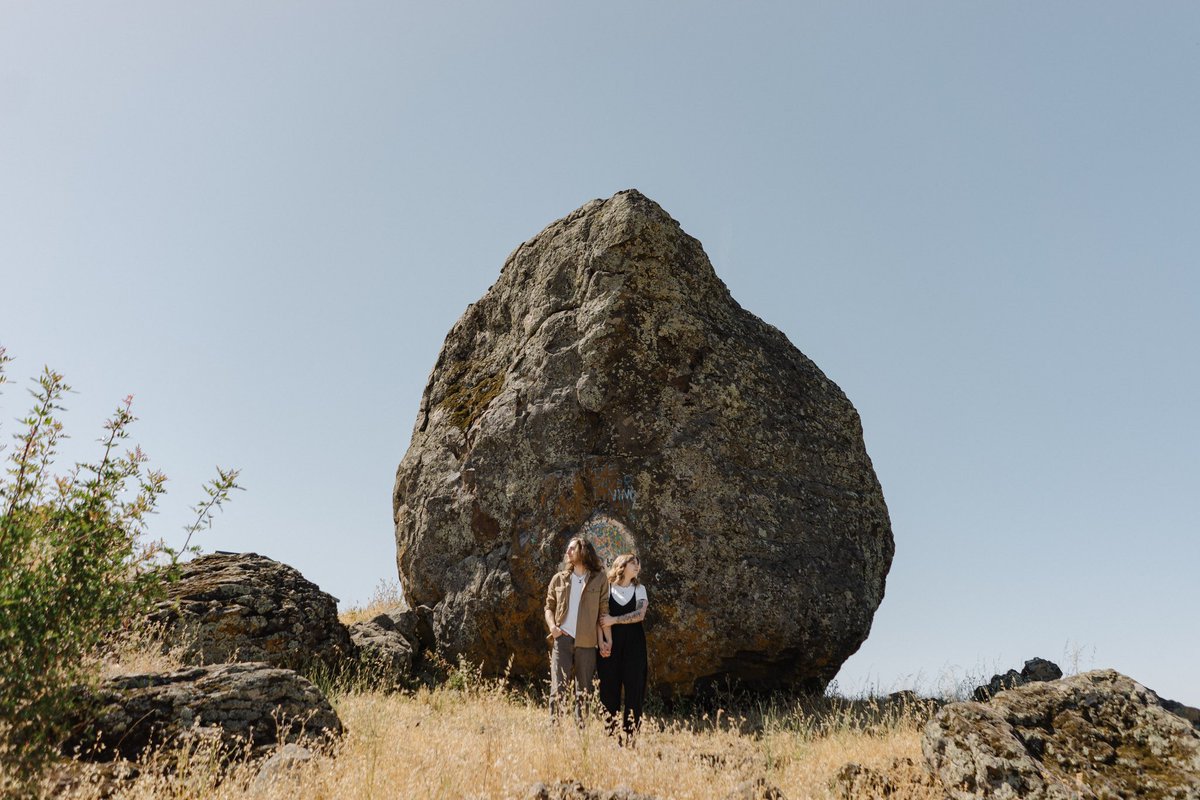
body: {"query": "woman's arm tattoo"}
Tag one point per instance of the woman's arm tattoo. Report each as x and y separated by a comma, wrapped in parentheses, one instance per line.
(637, 615)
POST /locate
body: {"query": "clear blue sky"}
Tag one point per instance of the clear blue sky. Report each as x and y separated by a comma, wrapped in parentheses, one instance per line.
(981, 220)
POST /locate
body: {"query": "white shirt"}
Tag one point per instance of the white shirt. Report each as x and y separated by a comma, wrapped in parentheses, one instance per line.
(572, 620)
(623, 594)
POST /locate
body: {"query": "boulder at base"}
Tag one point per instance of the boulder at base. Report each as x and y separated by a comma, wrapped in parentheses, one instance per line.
(390, 644)
(246, 607)
(608, 385)
(236, 705)
(1094, 735)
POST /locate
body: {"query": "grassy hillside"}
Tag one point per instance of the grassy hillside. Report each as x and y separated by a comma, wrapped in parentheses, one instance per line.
(476, 739)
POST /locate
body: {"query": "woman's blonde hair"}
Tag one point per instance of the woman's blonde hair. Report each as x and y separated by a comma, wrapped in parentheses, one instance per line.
(617, 570)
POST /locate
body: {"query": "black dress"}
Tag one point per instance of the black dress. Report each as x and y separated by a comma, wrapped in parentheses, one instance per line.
(625, 668)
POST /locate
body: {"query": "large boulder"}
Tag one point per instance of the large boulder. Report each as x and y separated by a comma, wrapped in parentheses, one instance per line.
(1094, 735)
(245, 607)
(235, 705)
(608, 385)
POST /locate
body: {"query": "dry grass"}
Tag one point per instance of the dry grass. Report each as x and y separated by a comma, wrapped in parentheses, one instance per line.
(486, 742)
(385, 597)
(473, 738)
(139, 650)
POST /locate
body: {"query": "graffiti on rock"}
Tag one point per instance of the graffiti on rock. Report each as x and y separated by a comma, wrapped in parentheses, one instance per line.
(609, 536)
(625, 494)
(597, 501)
(576, 495)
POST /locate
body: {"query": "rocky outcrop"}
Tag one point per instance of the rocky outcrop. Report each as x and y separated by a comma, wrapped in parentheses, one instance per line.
(1035, 669)
(237, 706)
(1094, 735)
(246, 607)
(608, 385)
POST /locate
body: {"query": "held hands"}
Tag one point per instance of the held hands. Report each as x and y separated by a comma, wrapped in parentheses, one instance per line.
(605, 649)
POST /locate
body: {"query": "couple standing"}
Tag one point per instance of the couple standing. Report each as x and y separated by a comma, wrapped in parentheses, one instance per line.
(590, 613)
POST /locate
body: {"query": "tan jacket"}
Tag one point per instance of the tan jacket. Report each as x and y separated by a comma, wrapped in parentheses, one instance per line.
(592, 605)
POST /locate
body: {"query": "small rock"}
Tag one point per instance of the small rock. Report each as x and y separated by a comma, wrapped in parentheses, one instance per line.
(284, 764)
(415, 624)
(1039, 669)
(998, 684)
(1035, 670)
(383, 649)
(574, 790)
(380, 621)
(757, 789)
(909, 701)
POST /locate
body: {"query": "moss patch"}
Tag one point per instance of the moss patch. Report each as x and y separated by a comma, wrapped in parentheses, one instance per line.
(464, 402)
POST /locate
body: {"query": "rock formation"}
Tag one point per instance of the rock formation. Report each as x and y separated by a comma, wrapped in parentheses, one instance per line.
(391, 644)
(1094, 735)
(246, 607)
(235, 704)
(1035, 669)
(608, 385)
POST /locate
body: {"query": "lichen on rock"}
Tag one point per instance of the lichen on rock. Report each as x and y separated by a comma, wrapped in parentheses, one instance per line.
(1099, 734)
(229, 607)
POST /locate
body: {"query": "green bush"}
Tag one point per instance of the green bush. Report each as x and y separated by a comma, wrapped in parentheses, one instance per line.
(75, 567)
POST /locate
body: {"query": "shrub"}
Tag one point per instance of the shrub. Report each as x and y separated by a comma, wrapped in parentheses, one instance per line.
(75, 566)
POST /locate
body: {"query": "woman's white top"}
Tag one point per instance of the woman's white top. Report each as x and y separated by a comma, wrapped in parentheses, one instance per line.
(623, 594)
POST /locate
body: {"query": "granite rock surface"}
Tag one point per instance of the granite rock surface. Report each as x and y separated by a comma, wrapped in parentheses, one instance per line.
(238, 706)
(387, 649)
(609, 385)
(246, 607)
(1095, 735)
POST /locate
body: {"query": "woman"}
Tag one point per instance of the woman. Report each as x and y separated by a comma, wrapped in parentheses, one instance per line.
(623, 661)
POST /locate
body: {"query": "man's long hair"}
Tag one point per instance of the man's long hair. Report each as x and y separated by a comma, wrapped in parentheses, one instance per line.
(591, 561)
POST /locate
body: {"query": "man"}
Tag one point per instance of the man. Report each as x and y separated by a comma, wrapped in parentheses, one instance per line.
(575, 601)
